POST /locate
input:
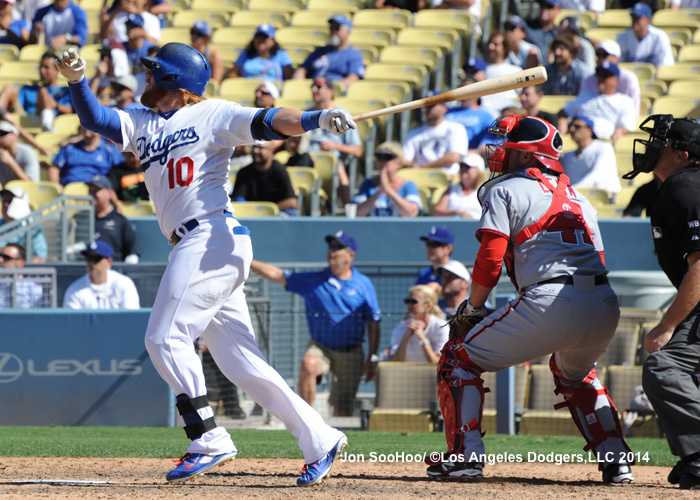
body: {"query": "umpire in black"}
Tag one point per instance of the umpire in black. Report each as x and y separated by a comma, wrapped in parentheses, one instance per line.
(670, 376)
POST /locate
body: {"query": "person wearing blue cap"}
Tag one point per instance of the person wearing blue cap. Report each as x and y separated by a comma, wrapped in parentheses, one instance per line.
(644, 42)
(200, 39)
(341, 303)
(542, 30)
(101, 288)
(337, 61)
(263, 58)
(439, 243)
(593, 164)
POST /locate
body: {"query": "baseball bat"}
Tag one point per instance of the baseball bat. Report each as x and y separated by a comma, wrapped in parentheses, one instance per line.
(526, 78)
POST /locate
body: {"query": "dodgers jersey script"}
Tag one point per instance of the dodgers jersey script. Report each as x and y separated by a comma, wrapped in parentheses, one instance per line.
(177, 149)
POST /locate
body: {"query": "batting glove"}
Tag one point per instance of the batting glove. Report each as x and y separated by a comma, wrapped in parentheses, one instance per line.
(336, 121)
(71, 65)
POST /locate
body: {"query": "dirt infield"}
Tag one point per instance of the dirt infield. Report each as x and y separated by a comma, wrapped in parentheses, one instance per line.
(126, 478)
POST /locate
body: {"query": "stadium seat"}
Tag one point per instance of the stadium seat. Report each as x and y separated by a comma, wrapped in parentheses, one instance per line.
(229, 6)
(276, 5)
(456, 19)
(307, 184)
(430, 57)
(666, 17)
(685, 106)
(449, 42)
(555, 103)
(240, 37)
(254, 19)
(350, 5)
(32, 53)
(8, 52)
(615, 18)
(597, 35)
(396, 92)
(76, 189)
(40, 193)
(644, 71)
(138, 209)
(396, 19)
(168, 35)
(297, 89)
(229, 53)
(370, 53)
(298, 53)
(689, 53)
(622, 349)
(377, 36)
(681, 88)
(246, 209)
(678, 35)
(625, 144)
(66, 124)
(326, 164)
(414, 74)
(657, 88)
(295, 35)
(596, 196)
(586, 17)
(316, 18)
(240, 90)
(679, 71)
(430, 178)
(186, 18)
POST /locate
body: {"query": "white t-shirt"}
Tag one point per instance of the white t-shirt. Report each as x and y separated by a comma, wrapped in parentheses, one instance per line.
(437, 332)
(595, 167)
(151, 24)
(118, 292)
(494, 103)
(607, 112)
(459, 202)
(425, 144)
(655, 48)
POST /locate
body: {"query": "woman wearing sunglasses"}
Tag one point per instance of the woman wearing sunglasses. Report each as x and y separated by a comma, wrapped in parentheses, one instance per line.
(420, 337)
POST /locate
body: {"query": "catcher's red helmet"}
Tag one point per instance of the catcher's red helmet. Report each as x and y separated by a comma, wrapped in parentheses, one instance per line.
(525, 133)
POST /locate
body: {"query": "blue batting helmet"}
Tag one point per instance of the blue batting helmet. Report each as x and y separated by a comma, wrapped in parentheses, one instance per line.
(179, 66)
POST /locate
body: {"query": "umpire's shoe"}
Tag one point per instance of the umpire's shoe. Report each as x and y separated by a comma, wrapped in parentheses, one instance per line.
(451, 471)
(687, 473)
(315, 474)
(195, 464)
(617, 474)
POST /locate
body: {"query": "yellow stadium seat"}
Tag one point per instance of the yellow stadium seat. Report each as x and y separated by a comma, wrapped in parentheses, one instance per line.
(457, 19)
(625, 144)
(586, 17)
(186, 18)
(295, 35)
(297, 89)
(8, 52)
(298, 53)
(430, 178)
(396, 92)
(241, 90)
(671, 18)
(229, 53)
(247, 209)
(51, 139)
(596, 35)
(683, 88)
(657, 88)
(138, 209)
(40, 193)
(307, 183)
(33, 53)
(377, 36)
(326, 164)
(555, 103)
(180, 34)
(315, 18)
(431, 57)
(66, 124)
(276, 5)
(596, 196)
(370, 53)
(689, 53)
(21, 70)
(240, 37)
(679, 71)
(350, 5)
(681, 35)
(680, 107)
(76, 189)
(256, 18)
(389, 18)
(644, 71)
(229, 6)
(415, 74)
(615, 18)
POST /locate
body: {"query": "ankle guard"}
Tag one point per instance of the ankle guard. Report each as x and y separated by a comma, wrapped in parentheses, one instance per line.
(195, 426)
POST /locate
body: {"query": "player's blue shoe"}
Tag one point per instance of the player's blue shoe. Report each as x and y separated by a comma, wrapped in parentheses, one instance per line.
(315, 474)
(195, 464)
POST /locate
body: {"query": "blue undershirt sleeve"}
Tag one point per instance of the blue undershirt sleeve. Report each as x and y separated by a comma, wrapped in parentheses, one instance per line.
(93, 116)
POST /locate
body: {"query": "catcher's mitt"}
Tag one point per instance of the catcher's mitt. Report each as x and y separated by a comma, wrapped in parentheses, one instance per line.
(466, 317)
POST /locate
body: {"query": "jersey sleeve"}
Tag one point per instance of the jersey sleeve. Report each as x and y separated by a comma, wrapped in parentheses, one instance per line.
(356, 65)
(231, 124)
(364, 192)
(371, 311)
(80, 28)
(494, 215)
(300, 283)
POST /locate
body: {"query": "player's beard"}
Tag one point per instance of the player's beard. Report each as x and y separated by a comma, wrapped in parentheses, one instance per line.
(152, 96)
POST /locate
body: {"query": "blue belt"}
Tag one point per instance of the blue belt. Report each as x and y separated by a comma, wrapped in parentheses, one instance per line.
(193, 223)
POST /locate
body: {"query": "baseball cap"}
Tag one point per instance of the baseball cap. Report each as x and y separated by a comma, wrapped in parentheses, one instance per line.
(320, 81)
(473, 160)
(18, 208)
(610, 47)
(127, 80)
(684, 130)
(202, 28)
(134, 21)
(514, 21)
(340, 20)
(390, 148)
(641, 10)
(587, 121)
(101, 182)
(441, 234)
(571, 23)
(271, 88)
(6, 126)
(266, 29)
(476, 64)
(99, 247)
(16, 192)
(456, 268)
(607, 69)
(344, 238)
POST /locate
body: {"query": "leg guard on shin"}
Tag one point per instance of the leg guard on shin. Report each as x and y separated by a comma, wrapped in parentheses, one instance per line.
(450, 392)
(591, 407)
(195, 425)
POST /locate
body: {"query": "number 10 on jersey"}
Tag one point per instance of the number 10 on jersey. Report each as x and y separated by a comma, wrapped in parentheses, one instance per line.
(180, 172)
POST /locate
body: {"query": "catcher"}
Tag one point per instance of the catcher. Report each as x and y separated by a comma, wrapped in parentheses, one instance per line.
(548, 236)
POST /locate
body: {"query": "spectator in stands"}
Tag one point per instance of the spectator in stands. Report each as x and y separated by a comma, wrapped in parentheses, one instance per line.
(470, 114)
(265, 179)
(136, 45)
(124, 91)
(497, 66)
(298, 148)
(15, 207)
(101, 288)
(684, 4)
(460, 199)
(437, 144)
(530, 98)
(111, 226)
(611, 112)
(542, 30)
(412, 5)
(81, 161)
(46, 99)
(266, 94)
(593, 164)
(337, 61)
(113, 63)
(595, 6)
(520, 52)
(29, 294)
(644, 42)
(439, 243)
(565, 74)
(628, 82)
(340, 304)
(455, 286)
(17, 160)
(15, 31)
(114, 21)
(200, 38)
(345, 147)
(388, 194)
(63, 23)
(642, 200)
(571, 26)
(127, 179)
(419, 338)
(263, 58)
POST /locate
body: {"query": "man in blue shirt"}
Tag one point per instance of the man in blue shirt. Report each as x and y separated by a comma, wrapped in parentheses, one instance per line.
(438, 247)
(340, 302)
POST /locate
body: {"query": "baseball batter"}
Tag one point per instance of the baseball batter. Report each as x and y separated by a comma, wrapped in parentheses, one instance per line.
(184, 146)
(548, 236)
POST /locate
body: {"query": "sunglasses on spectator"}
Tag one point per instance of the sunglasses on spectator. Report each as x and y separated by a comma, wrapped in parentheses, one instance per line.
(3, 133)
(335, 246)
(93, 257)
(409, 301)
(334, 27)
(384, 157)
(263, 92)
(4, 256)
(433, 244)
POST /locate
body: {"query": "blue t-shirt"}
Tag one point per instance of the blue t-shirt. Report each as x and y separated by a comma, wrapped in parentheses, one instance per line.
(78, 165)
(476, 121)
(336, 310)
(384, 206)
(428, 275)
(334, 64)
(28, 94)
(267, 69)
(16, 27)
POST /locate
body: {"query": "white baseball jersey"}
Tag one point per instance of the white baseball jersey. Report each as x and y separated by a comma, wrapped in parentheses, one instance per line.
(425, 144)
(437, 332)
(118, 292)
(608, 112)
(185, 157)
(594, 167)
(655, 48)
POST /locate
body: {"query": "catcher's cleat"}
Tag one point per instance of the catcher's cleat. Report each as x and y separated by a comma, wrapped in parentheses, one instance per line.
(618, 474)
(315, 474)
(195, 464)
(451, 471)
